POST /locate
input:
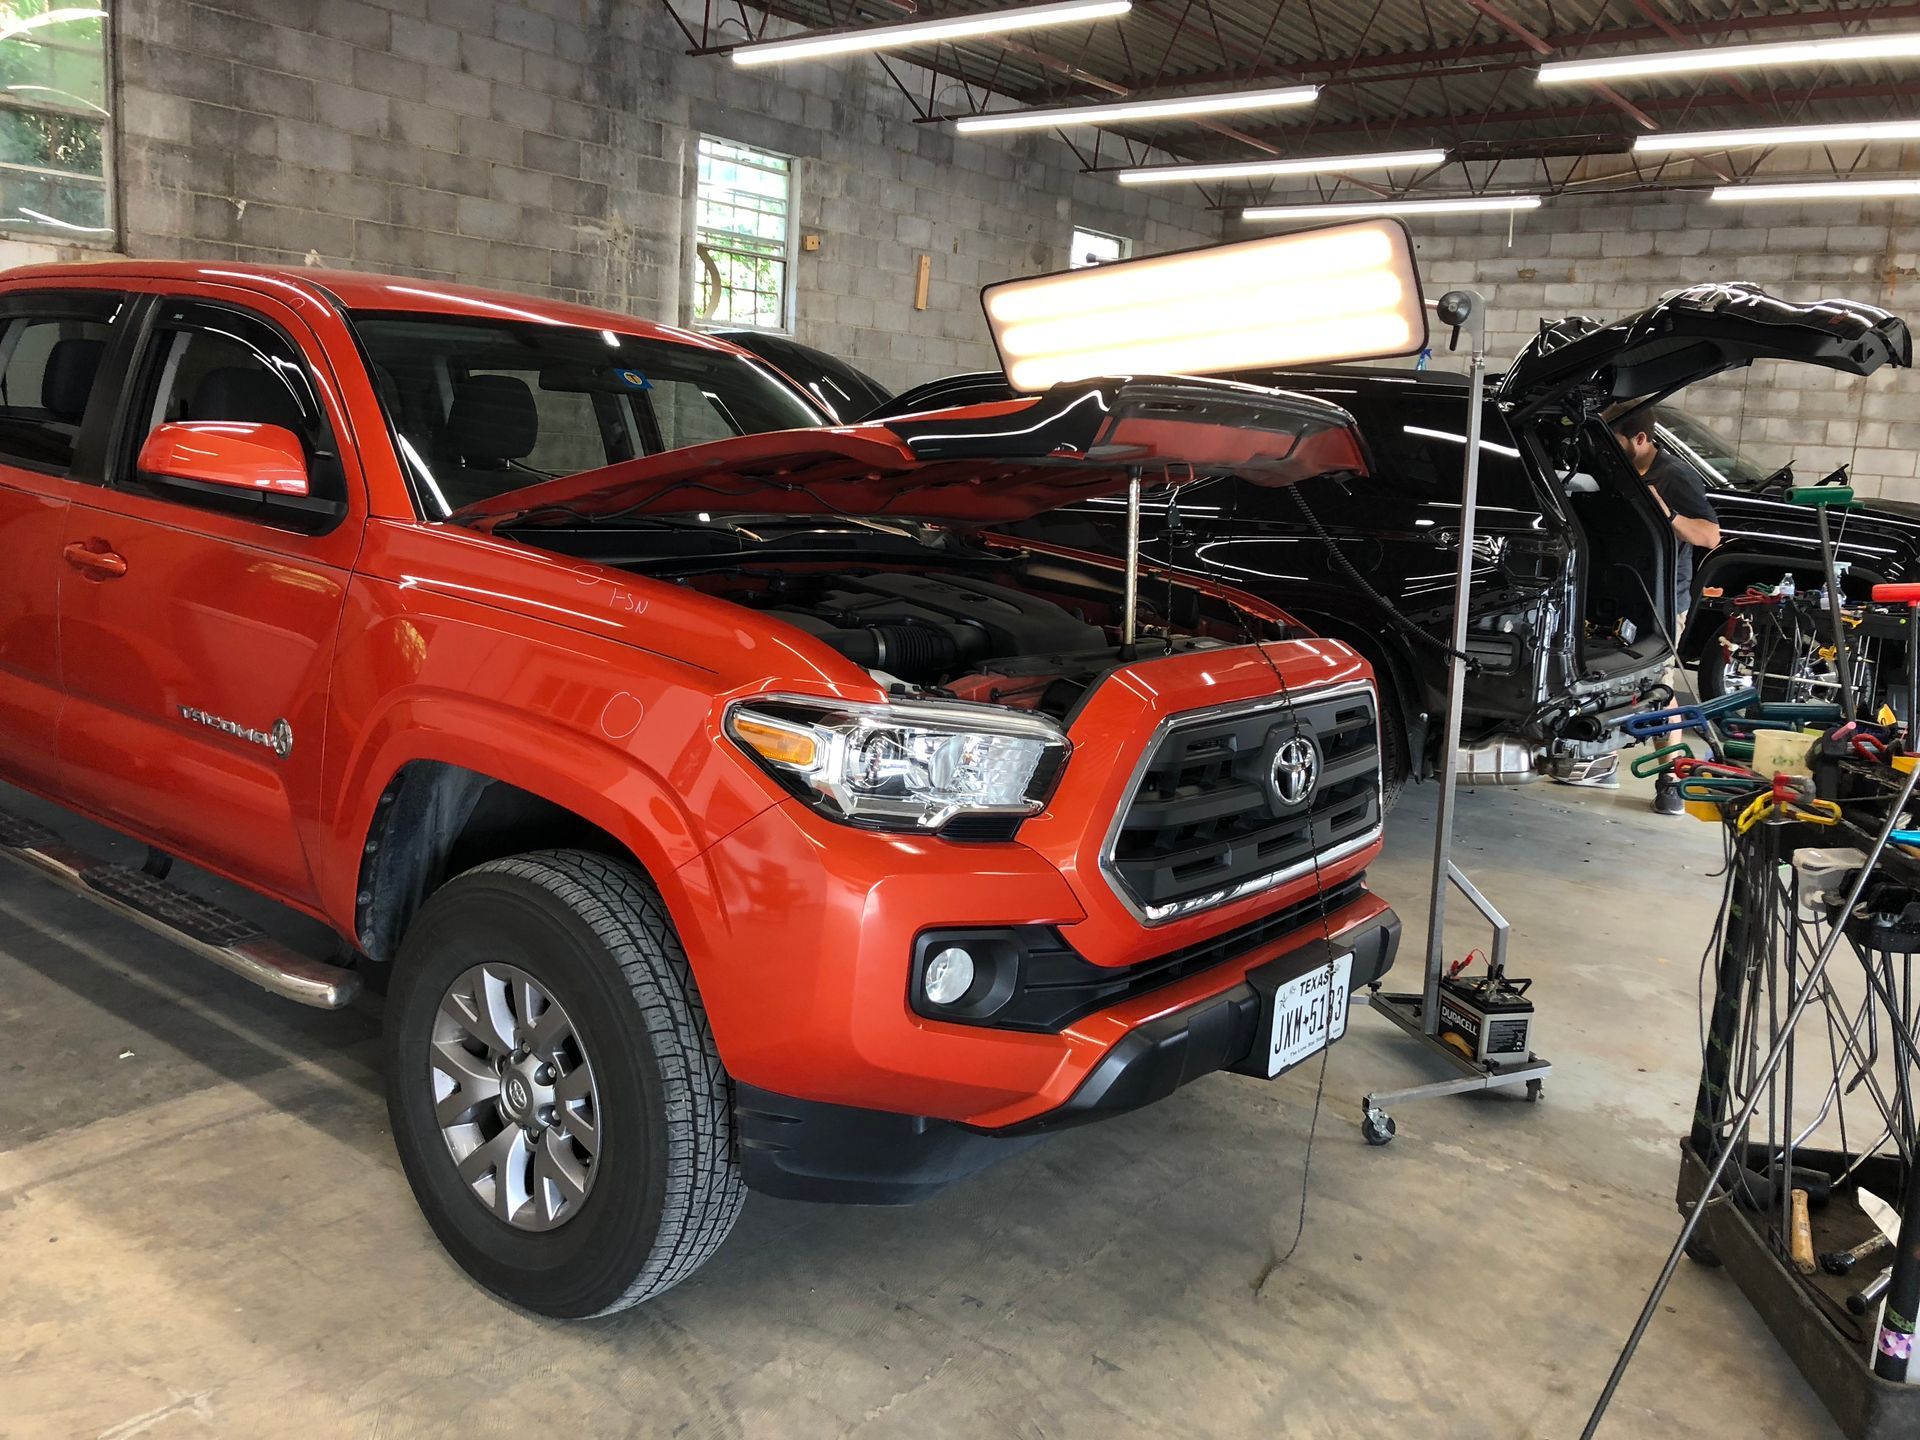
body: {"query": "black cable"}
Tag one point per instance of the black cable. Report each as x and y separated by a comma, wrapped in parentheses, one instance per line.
(1392, 613)
(1326, 938)
(1652, 609)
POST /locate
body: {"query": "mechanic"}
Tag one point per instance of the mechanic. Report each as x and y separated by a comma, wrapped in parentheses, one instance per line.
(1682, 498)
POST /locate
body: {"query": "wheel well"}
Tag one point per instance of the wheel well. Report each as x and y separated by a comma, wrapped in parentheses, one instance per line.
(434, 821)
(1732, 573)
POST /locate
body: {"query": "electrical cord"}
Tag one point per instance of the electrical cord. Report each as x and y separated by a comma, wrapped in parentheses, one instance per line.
(1326, 938)
(1392, 612)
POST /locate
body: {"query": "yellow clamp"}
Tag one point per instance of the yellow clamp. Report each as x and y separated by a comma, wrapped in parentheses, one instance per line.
(1807, 812)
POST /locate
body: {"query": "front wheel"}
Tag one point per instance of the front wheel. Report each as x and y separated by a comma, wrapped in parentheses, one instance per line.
(555, 1093)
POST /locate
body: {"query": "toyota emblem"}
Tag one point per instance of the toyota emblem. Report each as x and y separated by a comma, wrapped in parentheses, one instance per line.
(1296, 769)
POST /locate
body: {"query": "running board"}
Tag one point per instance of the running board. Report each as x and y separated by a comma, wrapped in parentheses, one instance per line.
(209, 930)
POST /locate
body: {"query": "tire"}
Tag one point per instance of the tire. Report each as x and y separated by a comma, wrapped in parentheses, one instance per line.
(1396, 763)
(1710, 672)
(663, 1185)
(1702, 1254)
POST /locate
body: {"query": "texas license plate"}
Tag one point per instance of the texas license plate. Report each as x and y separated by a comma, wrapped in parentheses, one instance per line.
(1309, 1014)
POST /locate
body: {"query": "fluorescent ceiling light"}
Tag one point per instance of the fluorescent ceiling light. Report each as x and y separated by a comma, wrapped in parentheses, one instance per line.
(1877, 46)
(1345, 292)
(1820, 190)
(1261, 169)
(1864, 133)
(1464, 205)
(926, 32)
(1119, 111)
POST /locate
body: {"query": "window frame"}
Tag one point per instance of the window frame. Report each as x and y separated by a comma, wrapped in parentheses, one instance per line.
(789, 304)
(1073, 247)
(148, 368)
(107, 237)
(55, 305)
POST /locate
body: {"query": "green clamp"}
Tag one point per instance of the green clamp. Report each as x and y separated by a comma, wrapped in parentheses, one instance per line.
(1828, 495)
(1660, 761)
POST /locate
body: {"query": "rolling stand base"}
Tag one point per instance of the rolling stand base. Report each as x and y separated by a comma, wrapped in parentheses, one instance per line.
(1405, 1011)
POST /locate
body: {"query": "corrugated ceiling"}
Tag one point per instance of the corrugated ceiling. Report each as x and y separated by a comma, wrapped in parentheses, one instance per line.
(1401, 73)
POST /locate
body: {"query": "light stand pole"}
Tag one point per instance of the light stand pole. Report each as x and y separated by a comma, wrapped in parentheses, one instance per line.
(1419, 1015)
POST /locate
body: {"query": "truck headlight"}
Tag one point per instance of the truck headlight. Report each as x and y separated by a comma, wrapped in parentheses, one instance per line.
(908, 766)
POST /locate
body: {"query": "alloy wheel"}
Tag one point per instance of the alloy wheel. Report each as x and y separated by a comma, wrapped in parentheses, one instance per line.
(514, 1096)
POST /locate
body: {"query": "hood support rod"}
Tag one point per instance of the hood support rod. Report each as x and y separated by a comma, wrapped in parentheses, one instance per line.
(1130, 622)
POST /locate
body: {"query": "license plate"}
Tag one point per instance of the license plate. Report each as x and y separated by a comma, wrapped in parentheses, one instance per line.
(1309, 1014)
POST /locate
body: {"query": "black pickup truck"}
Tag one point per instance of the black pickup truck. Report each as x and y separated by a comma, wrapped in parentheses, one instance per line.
(1572, 623)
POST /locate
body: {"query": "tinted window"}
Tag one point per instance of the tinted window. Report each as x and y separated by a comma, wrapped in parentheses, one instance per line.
(48, 365)
(207, 362)
(482, 407)
(1722, 465)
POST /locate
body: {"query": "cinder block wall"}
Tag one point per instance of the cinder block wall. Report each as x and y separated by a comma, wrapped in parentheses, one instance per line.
(548, 147)
(1609, 259)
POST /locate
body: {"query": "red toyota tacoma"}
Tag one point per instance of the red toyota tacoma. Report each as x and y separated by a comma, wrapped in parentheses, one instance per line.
(718, 804)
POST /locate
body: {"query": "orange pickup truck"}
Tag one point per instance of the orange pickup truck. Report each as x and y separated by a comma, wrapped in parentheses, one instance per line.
(718, 803)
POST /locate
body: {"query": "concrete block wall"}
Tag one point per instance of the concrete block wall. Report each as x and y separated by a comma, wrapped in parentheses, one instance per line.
(548, 147)
(1610, 258)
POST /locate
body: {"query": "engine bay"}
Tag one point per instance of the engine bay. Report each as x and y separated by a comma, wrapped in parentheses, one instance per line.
(960, 636)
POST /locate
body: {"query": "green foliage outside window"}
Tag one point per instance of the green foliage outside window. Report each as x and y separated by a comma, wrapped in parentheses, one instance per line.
(54, 120)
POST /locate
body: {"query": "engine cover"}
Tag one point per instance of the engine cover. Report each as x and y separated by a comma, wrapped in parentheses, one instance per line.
(920, 627)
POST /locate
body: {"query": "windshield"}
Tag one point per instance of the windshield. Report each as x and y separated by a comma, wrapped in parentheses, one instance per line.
(1723, 467)
(482, 407)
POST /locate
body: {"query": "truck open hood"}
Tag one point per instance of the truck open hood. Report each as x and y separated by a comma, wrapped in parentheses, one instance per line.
(1695, 333)
(979, 465)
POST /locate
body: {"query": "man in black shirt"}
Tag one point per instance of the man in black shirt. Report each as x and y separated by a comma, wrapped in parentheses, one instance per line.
(1682, 498)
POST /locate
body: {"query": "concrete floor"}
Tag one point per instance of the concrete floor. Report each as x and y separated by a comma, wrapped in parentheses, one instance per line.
(203, 1230)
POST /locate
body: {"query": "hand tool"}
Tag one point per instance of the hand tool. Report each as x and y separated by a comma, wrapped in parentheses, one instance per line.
(1839, 1262)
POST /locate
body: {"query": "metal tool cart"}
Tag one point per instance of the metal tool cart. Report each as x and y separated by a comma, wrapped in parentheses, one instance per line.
(1798, 1173)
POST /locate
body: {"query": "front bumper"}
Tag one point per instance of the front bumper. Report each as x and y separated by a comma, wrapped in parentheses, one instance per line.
(802, 1149)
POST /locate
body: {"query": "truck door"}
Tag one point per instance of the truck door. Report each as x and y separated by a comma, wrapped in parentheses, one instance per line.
(198, 623)
(52, 344)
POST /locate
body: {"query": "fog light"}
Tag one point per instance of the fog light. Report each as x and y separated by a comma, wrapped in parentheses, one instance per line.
(949, 976)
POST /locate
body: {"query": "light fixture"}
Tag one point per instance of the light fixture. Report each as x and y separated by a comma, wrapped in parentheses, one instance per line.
(1819, 190)
(949, 975)
(1262, 169)
(926, 32)
(1118, 112)
(1461, 205)
(1877, 46)
(1339, 292)
(1863, 133)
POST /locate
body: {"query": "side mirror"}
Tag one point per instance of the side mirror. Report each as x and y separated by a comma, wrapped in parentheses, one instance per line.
(235, 455)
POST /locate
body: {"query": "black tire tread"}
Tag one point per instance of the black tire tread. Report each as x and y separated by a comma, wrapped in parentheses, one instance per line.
(704, 1189)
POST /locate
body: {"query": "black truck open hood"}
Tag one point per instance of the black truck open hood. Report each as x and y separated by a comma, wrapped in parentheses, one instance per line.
(1697, 332)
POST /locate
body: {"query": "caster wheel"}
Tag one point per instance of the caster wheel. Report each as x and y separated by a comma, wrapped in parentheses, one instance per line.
(1377, 1127)
(1702, 1253)
(1534, 1091)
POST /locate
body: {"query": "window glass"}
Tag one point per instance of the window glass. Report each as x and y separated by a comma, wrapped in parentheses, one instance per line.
(1722, 464)
(742, 236)
(208, 363)
(481, 407)
(574, 430)
(54, 141)
(690, 414)
(1091, 247)
(47, 372)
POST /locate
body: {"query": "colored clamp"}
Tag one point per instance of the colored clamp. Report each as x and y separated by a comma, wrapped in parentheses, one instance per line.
(1660, 760)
